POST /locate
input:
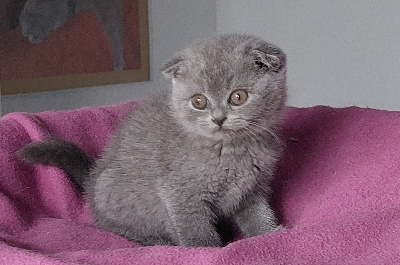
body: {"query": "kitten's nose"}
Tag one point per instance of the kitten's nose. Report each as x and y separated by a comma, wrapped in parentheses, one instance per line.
(218, 116)
(219, 122)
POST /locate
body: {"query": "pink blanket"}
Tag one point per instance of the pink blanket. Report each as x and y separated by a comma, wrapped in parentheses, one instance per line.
(337, 191)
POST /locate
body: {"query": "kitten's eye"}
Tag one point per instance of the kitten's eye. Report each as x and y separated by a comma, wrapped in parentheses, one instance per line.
(238, 97)
(199, 101)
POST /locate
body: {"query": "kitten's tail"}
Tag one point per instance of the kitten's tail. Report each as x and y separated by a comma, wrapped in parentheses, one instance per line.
(65, 155)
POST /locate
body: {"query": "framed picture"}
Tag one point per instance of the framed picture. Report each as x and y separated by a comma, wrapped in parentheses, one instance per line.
(59, 44)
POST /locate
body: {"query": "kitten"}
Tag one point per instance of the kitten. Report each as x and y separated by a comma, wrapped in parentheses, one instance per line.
(185, 159)
(41, 17)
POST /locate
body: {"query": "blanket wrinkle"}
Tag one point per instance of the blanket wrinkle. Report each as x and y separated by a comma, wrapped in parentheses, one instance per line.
(35, 128)
(336, 190)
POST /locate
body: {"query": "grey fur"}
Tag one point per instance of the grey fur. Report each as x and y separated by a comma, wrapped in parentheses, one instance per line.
(170, 172)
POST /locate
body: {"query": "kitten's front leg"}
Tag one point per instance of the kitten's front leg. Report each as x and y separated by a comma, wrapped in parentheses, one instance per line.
(255, 217)
(192, 221)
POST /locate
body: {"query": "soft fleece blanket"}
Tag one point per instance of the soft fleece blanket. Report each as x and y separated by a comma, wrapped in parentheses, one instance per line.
(337, 191)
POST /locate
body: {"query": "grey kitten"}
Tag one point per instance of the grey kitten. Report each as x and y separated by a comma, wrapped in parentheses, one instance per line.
(41, 17)
(185, 159)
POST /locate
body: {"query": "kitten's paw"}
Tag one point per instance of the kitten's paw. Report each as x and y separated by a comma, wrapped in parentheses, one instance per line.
(203, 242)
(155, 241)
(279, 228)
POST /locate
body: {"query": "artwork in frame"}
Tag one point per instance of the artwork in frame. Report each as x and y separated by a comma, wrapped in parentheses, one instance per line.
(60, 44)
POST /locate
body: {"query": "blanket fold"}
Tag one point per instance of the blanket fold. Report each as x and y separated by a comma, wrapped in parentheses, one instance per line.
(336, 190)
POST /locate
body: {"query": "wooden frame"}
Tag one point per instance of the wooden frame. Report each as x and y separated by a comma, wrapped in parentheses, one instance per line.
(58, 82)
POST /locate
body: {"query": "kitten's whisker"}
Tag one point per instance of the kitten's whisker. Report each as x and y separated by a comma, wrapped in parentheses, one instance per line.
(265, 129)
(247, 131)
(244, 130)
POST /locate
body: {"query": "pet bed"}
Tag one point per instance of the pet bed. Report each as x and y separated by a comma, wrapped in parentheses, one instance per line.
(337, 190)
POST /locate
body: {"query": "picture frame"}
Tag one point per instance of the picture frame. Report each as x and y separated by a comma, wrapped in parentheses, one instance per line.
(92, 63)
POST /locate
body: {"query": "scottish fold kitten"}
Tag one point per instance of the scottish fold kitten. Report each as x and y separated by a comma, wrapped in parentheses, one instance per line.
(41, 17)
(187, 158)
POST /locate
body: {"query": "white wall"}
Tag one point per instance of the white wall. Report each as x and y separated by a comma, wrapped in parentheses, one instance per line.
(173, 25)
(339, 52)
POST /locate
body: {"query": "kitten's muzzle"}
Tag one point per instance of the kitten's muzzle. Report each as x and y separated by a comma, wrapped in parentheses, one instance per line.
(219, 122)
(218, 116)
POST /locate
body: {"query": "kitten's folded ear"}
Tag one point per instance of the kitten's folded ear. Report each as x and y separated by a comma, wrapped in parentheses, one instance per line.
(270, 58)
(174, 67)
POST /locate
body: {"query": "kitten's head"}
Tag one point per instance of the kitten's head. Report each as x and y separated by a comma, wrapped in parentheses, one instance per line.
(40, 17)
(229, 86)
